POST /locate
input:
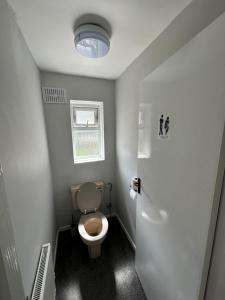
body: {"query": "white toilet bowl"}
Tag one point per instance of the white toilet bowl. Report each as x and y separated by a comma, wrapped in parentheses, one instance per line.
(93, 225)
(93, 229)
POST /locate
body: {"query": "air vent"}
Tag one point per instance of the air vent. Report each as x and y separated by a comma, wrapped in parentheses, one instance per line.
(54, 95)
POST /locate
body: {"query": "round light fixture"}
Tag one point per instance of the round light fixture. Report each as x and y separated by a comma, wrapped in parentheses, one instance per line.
(91, 41)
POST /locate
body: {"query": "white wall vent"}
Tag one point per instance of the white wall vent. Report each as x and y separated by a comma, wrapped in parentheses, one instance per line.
(54, 95)
(44, 285)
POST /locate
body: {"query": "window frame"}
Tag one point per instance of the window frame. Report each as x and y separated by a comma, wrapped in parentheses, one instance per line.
(79, 104)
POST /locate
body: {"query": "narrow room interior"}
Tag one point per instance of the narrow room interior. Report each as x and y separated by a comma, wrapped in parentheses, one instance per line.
(112, 150)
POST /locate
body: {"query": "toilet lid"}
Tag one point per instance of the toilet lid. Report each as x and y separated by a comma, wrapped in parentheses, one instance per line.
(89, 197)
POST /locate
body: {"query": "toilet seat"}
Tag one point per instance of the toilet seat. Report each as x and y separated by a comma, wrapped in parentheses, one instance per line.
(90, 239)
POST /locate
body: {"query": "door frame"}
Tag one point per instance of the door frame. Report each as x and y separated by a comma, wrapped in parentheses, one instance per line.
(214, 220)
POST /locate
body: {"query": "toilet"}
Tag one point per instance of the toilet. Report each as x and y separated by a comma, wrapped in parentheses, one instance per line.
(93, 225)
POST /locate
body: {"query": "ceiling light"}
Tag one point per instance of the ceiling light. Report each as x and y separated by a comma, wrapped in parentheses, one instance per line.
(91, 41)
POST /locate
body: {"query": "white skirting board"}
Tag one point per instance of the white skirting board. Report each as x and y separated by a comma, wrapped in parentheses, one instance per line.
(64, 228)
(125, 231)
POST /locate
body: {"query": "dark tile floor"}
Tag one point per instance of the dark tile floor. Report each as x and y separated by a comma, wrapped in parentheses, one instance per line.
(109, 277)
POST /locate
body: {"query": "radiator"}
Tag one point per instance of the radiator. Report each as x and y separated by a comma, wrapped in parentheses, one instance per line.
(44, 284)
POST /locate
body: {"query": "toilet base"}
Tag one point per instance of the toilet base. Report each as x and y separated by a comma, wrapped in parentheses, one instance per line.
(94, 251)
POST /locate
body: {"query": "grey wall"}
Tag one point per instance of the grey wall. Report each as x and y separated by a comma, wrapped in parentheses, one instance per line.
(216, 288)
(10, 279)
(4, 288)
(23, 148)
(190, 22)
(65, 172)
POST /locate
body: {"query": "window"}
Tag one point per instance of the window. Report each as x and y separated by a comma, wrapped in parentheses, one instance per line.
(87, 125)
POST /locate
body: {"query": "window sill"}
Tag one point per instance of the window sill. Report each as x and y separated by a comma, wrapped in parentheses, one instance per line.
(88, 160)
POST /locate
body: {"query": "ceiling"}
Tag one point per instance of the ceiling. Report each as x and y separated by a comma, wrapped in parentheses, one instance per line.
(47, 26)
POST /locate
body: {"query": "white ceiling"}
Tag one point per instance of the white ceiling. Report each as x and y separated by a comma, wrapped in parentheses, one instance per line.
(47, 26)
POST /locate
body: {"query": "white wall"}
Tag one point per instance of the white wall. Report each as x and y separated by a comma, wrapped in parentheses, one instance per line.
(180, 177)
(65, 172)
(23, 148)
(190, 22)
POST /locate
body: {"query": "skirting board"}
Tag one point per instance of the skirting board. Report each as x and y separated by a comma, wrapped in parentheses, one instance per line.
(67, 227)
(125, 231)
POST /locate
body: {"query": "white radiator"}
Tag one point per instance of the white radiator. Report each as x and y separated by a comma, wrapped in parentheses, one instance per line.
(44, 285)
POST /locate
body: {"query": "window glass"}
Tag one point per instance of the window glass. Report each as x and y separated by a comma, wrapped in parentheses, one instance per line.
(86, 117)
(87, 143)
(87, 125)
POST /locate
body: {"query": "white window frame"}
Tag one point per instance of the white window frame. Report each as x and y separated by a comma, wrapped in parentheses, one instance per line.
(99, 126)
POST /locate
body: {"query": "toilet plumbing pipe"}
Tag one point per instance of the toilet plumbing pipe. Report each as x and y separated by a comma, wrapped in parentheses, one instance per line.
(109, 206)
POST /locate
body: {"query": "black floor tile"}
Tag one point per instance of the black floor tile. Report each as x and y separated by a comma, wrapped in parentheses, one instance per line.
(109, 277)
